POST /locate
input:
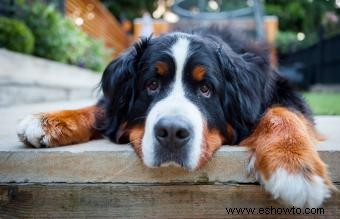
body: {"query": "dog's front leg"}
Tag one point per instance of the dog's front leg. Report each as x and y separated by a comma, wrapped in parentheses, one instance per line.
(59, 128)
(285, 161)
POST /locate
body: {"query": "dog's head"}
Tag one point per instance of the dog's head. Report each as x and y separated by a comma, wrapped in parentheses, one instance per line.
(179, 97)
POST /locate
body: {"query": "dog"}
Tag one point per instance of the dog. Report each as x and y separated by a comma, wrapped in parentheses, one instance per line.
(178, 97)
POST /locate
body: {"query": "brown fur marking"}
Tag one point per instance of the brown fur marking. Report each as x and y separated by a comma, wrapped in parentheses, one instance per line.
(212, 140)
(162, 68)
(70, 126)
(136, 135)
(198, 73)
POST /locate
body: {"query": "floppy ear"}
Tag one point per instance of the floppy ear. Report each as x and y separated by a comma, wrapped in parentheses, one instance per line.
(245, 84)
(118, 86)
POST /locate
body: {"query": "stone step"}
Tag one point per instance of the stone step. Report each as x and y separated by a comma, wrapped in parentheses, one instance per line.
(28, 79)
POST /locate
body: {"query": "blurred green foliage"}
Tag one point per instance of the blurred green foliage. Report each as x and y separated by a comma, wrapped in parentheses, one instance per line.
(287, 41)
(95, 56)
(15, 35)
(58, 38)
(300, 16)
(306, 16)
(130, 9)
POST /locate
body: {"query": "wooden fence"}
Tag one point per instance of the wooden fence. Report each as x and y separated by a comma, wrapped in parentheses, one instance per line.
(98, 22)
(320, 62)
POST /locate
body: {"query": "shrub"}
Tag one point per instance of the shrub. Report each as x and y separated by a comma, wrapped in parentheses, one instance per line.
(286, 42)
(59, 39)
(15, 35)
(93, 56)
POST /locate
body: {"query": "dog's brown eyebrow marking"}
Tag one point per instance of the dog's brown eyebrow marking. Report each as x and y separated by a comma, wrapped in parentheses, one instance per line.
(198, 72)
(162, 68)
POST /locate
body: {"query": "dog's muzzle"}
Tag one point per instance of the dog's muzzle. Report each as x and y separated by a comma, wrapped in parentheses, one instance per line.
(173, 134)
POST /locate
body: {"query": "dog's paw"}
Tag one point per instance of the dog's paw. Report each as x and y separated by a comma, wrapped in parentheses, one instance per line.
(31, 133)
(298, 189)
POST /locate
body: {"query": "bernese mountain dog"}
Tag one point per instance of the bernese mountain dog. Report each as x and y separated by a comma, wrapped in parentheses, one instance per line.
(178, 97)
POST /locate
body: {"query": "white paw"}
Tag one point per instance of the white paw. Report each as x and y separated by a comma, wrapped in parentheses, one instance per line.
(251, 168)
(31, 132)
(251, 164)
(297, 189)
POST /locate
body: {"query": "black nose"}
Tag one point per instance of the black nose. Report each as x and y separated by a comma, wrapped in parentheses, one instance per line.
(172, 132)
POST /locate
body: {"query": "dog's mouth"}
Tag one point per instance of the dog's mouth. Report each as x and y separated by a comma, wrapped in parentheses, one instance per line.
(164, 158)
(172, 164)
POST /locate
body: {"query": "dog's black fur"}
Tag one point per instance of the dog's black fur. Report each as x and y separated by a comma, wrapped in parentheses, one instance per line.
(243, 82)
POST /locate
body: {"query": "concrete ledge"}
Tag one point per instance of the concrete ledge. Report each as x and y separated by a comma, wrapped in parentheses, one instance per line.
(28, 79)
(101, 161)
(27, 69)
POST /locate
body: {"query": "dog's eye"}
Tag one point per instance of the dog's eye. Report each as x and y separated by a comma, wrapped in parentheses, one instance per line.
(205, 90)
(153, 86)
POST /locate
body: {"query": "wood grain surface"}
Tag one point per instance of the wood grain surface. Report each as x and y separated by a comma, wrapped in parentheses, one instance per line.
(142, 201)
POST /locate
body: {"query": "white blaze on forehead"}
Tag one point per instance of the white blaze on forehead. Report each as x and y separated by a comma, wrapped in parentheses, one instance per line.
(175, 104)
(179, 53)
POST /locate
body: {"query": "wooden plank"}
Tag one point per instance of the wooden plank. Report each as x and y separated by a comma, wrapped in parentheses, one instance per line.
(101, 161)
(143, 201)
(101, 24)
